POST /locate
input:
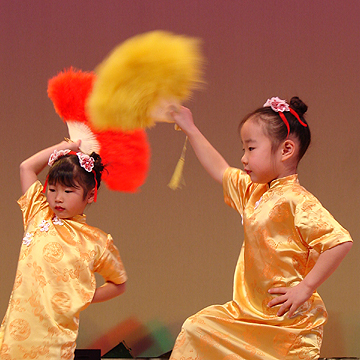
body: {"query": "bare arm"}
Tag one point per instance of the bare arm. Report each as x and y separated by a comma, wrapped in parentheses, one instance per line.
(292, 298)
(108, 291)
(208, 156)
(31, 167)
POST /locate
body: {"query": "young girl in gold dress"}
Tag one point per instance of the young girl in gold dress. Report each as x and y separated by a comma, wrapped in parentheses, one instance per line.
(59, 255)
(291, 245)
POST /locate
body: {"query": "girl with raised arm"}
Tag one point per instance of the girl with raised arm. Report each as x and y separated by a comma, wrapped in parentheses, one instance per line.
(59, 255)
(291, 245)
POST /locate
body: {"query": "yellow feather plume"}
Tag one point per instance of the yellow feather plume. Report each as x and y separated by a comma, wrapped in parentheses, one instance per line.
(140, 75)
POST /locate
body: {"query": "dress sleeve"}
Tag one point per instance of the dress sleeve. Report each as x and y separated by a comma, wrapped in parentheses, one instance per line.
(237, 187)
(317, 227)
(32, 202)
(110, 265)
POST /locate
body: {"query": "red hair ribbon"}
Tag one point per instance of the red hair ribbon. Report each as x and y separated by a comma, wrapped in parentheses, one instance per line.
(283, 117)
(279, 106)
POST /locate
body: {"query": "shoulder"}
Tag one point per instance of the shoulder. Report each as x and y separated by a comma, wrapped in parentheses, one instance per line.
(33, 203)
(237, 178)
(298, 194)
(94, 234)
(35, 190)
(306, 205)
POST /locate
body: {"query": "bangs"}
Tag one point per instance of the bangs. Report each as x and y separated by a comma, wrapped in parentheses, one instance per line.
(63, 173)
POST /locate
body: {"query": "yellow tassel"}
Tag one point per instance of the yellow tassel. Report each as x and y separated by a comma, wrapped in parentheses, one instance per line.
(177, 180)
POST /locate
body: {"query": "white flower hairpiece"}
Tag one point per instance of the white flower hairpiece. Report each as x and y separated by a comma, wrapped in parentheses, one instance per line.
(56, 155)
(86, 161)
(277, 104)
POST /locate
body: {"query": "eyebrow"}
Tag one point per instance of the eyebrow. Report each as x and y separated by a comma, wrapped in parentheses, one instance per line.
(247, 141)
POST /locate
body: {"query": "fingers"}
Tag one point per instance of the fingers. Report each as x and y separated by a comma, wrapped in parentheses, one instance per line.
(286, 304)
(76, 144)
(292, 311)
(278, 290)
(279, 299)
(284, 309)
(182, 117)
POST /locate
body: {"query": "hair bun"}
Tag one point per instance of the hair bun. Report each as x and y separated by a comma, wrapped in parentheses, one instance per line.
(299, 106)
(98, 166)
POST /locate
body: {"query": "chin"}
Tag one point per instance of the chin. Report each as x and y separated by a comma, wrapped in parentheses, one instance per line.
(61, 216)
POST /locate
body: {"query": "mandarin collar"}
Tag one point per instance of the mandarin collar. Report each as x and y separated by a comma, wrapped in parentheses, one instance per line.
(79, 218)
(283, 181)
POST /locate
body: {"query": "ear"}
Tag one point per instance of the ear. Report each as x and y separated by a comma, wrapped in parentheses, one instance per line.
(91, 196)
(288, 149)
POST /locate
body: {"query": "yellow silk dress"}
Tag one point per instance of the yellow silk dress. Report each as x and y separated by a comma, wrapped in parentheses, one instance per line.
(54, 281)
(285, 230)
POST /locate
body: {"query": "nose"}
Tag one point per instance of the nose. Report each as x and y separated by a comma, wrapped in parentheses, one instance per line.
(244, 160)
(58, 197)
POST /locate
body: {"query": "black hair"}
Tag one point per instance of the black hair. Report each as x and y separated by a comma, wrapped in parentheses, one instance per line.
(68, 172)
(276, 129)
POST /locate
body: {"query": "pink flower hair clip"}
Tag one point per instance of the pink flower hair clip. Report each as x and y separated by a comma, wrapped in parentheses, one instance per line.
(86, 161)
(278, 105)
(57, 155)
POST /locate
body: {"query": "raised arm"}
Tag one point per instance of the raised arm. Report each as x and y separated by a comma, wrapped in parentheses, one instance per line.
(208, 156)
(31, 167)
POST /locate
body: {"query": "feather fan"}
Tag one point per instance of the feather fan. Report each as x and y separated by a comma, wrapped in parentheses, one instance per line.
(141, 76)
(125, 154)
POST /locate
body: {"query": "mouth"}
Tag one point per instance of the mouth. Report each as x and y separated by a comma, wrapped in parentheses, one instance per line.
(247, 171)
(59, 208)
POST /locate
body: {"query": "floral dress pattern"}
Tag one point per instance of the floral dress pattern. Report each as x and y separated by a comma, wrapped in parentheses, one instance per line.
(54, 281)
(285, 230)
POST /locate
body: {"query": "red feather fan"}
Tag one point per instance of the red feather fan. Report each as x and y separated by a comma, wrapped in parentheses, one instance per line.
(126, 154)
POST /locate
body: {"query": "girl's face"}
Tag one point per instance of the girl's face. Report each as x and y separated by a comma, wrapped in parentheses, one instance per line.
(67, 202)
(259, 160)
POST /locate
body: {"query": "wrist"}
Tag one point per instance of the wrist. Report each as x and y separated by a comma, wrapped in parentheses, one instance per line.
(68, 144)
(63, 145)
(309, 285)
(192, 131)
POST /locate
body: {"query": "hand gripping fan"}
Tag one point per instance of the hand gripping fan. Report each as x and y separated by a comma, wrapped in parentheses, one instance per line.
(141, 80)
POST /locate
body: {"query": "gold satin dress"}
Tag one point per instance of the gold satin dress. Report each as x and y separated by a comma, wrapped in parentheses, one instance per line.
(54, 281)
(285, 230)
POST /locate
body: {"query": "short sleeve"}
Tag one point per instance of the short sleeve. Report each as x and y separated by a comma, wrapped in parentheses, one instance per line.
(317, 227)
(33, 201)
(110, 265)
(237, 187)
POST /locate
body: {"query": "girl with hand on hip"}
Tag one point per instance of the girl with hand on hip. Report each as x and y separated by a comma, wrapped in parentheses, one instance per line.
(291, 245)
(59, 255)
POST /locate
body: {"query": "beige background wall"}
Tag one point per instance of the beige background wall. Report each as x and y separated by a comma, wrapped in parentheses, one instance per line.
(180, 248)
